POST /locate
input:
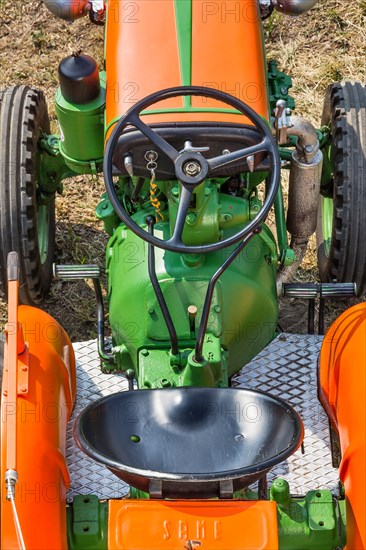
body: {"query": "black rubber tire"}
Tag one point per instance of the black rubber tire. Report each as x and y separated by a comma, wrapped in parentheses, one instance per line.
(23, 116)
(345, 112)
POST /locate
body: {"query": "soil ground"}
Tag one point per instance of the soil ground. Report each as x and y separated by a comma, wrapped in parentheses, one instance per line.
(325, 45)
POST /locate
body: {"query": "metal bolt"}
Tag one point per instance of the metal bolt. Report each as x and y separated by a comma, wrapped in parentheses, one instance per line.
(145, 352)
(191, 218)
(5, 393)
(151, 310)
(284, 90)
(217, 308)
(23, 388)
(24, 369)
(192, 168)
(104, 206)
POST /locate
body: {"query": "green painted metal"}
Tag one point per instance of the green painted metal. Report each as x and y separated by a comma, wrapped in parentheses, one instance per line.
(326, 184)
(106, 213)
(51, 166)
(82, 131)
(312, 522)
(158, 368)
(50, 169)
(279, 84)
(183, 19)
(285, 154)
(43, 231)
(244, 310)
(327, 210)
(281, 229)
(87, 523)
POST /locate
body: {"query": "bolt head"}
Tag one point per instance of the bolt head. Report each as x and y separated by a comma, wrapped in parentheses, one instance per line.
(192, 168)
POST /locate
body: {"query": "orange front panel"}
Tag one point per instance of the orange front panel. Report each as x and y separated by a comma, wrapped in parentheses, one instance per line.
(144, 55)
(227, 52)
(342, 378)
(210, 525)
(141, 52)
(42, 415)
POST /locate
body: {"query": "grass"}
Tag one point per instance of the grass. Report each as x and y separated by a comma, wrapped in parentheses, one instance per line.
(324, 45)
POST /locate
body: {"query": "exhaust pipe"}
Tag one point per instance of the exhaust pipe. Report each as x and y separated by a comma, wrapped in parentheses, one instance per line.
(303, 197)
(304, 189)
(68, 9)
(304, 185)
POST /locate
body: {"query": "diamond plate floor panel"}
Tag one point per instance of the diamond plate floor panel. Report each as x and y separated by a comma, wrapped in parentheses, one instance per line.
(286, 368)
(88, 477)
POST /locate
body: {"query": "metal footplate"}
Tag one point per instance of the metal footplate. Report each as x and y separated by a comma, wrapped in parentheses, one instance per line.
(88, 477)
(286, 368)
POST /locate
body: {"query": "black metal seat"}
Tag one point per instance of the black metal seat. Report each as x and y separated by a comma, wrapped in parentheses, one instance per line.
(189, 442)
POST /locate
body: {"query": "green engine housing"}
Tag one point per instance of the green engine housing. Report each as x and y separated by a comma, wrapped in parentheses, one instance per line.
(243, 314)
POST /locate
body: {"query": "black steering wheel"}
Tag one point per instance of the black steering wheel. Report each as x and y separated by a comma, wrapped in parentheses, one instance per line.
(192, 168)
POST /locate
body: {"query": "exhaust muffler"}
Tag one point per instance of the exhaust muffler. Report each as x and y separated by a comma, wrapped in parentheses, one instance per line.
(303, 196)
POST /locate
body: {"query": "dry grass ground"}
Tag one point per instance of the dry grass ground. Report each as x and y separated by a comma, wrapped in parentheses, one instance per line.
(324, 45)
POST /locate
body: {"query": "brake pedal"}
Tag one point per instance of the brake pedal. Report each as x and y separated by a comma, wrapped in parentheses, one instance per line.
(322, 291)
(76, 272)
(311, 291)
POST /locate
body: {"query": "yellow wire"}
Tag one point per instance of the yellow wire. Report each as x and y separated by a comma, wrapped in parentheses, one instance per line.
(154, 199)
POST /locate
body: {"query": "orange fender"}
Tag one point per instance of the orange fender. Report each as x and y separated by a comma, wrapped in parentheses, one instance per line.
(342, 391)
(45, 398)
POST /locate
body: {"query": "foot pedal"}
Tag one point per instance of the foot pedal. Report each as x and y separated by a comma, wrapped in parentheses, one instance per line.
(311, 291)
(76, 272)
(322, 291)
(81, 272)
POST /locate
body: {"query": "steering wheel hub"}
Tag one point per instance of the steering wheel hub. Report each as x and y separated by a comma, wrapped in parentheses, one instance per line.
(191, 168)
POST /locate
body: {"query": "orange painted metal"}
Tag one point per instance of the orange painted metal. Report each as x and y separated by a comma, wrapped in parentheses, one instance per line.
(42, 414)
(12, 332)
(342, 390)
(143, 56)
(227, 53)
(210, 525)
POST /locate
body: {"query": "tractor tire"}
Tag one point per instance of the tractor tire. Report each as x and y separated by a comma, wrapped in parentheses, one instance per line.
(341, 228)
(25, 226)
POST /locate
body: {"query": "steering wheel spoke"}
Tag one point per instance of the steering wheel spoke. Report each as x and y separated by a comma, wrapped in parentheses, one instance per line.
(192, 168)
(185, 201)
(223, 160)
(154, 137)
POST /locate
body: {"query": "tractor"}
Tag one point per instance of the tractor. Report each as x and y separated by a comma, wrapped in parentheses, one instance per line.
(197, 424)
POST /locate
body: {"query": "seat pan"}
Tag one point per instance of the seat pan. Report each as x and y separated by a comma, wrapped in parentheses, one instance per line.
(189, 439)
